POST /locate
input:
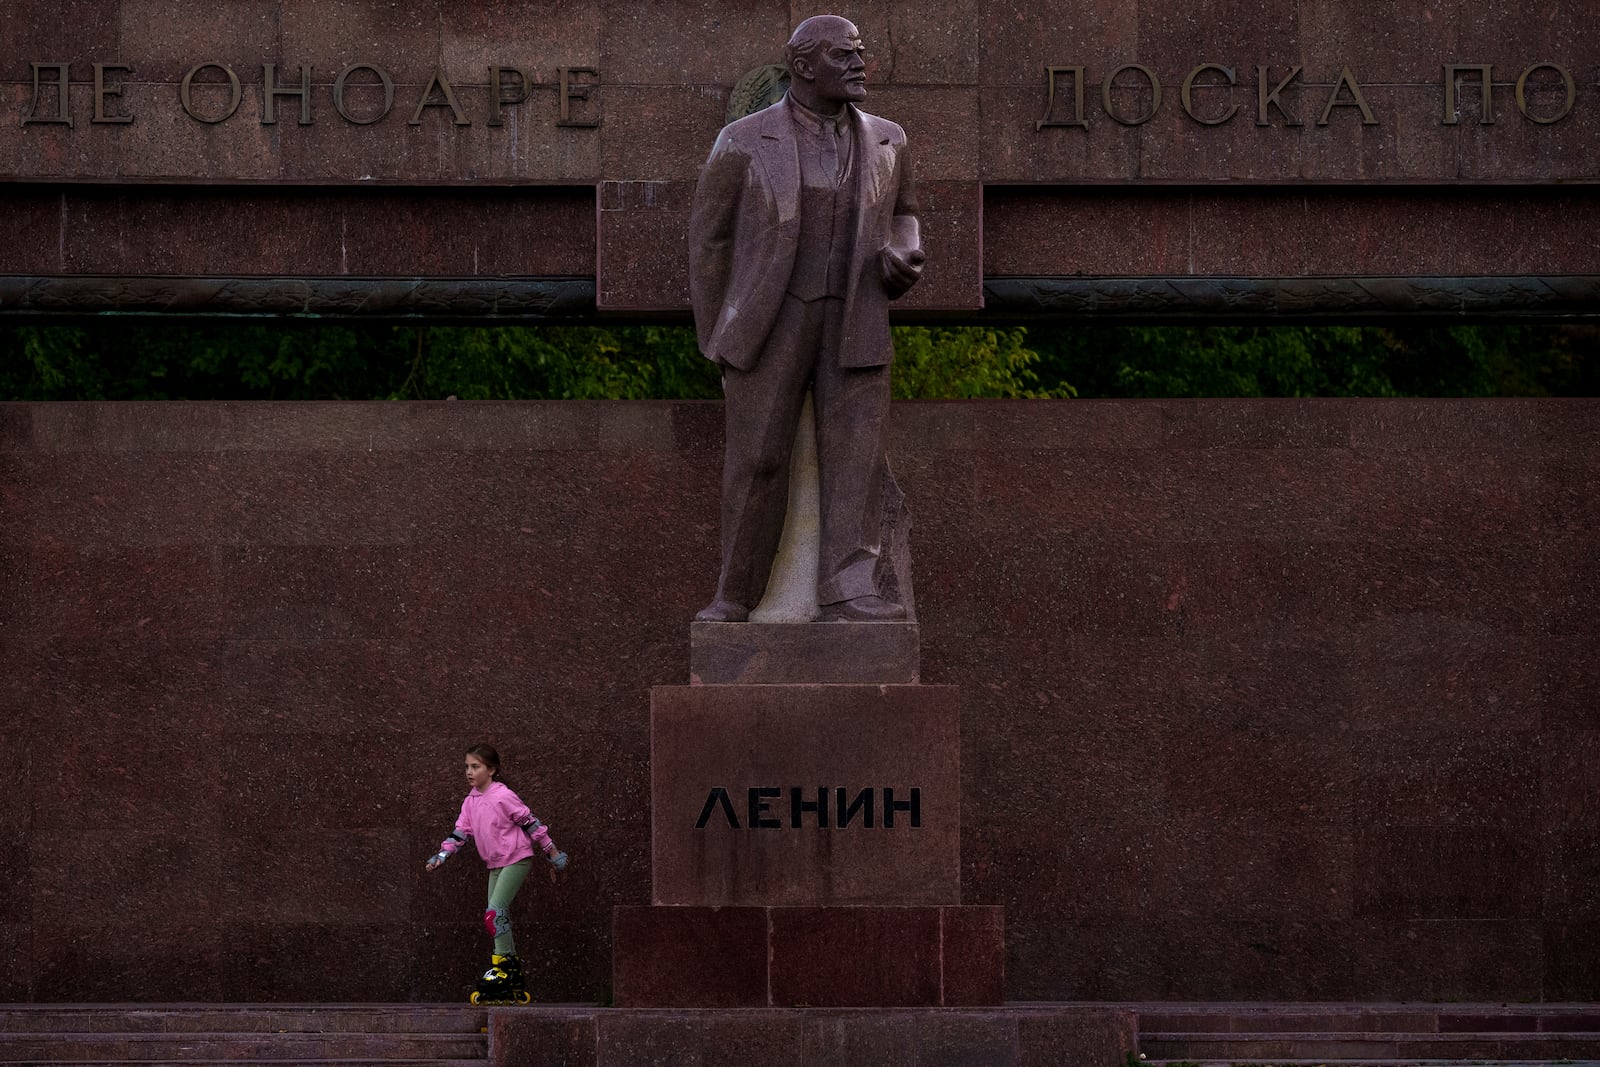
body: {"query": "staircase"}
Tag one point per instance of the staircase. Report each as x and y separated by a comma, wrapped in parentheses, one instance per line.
(367, 1035)
(412, 1035)
(1370, 1035)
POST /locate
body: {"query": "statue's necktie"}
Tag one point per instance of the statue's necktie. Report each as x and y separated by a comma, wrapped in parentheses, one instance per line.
(830, 150)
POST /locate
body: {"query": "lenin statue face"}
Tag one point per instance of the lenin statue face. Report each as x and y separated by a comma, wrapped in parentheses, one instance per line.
(825, 60)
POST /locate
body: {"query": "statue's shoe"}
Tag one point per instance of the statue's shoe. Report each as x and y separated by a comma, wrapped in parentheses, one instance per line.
(864, 609)
(723, 611)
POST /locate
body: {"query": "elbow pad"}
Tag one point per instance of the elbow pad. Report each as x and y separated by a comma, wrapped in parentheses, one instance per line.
(539, 835)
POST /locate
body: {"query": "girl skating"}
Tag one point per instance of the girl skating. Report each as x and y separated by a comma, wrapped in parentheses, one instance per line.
(499, 824)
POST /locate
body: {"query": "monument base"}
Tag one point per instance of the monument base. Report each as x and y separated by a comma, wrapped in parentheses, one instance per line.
(805, 795)
(785, 653)
(1043, 1035)
(833, 957)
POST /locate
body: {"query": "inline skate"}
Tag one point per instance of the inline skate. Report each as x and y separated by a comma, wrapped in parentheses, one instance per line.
(501, 983)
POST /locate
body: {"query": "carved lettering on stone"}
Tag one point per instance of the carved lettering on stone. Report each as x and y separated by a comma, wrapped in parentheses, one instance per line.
(271, 90)
(1567, 83)
(1186, 93)
(1050, 101)
(102, 90)
(1452, 73)
(1155, 95)
(186, 93)
(1347, 80)
(498, 100)
(442, 84)
(63, 100)
(340, 82)
(846, 810)
(1265, 99)
(570, 90)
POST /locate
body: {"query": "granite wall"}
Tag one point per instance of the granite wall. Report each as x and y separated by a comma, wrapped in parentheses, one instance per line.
(1261, 699)
(647, 83)
(588, 171)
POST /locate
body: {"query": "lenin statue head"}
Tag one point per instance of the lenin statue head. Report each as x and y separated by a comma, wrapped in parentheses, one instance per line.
(826, 67)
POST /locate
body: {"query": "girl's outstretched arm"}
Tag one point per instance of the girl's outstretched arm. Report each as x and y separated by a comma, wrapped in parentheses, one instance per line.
(458, 837)
(539, 834)
(447, 848)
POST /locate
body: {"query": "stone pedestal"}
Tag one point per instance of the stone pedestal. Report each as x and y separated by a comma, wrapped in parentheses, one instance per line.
(808, 957)
(805, 807)
(806, 831)
(785, 795)
(835, 653)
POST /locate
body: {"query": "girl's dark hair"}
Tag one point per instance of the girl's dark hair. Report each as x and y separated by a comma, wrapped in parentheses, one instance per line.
(491, 759)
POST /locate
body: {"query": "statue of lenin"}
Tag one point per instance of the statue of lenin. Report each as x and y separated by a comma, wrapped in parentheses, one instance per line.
(804, 227)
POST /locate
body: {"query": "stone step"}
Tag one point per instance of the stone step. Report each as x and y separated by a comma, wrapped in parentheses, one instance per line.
(256, 1046)
(1368, 1034)
(1344, 1047)
(224, 1018)
(1369, 1063)
(1348, 1018)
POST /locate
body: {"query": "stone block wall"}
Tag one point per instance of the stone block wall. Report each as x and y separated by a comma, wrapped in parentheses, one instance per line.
(1260, 699)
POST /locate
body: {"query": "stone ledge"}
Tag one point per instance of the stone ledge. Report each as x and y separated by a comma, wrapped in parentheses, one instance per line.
(801, 653)
(524, 299)
(1200, 299)
(1214, 299)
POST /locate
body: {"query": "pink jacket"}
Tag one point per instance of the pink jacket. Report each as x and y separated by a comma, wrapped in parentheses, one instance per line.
(500, 825)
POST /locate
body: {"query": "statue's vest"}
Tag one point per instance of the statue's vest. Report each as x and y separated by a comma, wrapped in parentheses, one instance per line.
(822, 261)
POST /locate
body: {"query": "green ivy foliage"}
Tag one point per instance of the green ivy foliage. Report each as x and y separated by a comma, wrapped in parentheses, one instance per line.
(965, 363)
(1235, 361)
(233, 361)
(132, 359)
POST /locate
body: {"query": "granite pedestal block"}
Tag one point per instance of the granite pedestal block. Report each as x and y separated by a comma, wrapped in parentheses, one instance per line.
(805, 795)
(806, 850)
(835, 957)
(836, 653)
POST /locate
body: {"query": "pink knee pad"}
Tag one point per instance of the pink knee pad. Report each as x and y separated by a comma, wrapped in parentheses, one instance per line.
(496, 923)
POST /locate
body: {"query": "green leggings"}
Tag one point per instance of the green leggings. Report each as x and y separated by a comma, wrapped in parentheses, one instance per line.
(503, 885)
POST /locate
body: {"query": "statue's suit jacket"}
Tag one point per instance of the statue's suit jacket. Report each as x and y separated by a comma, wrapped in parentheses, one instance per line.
(745, 224)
